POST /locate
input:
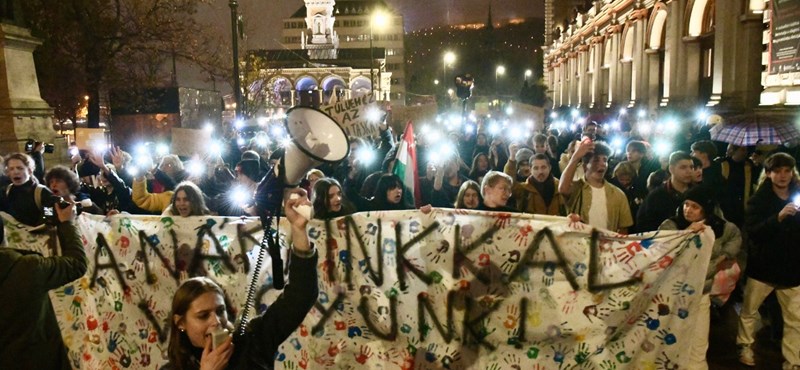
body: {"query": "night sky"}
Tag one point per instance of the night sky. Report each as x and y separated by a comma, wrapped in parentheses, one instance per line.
(263, 21)
(263, 17)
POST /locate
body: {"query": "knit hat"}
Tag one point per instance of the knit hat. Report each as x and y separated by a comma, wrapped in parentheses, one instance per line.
(523, 155)
(704, 196)
(249, 168)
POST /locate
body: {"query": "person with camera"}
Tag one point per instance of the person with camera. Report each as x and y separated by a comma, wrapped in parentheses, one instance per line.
(29, 333)
(200, 310)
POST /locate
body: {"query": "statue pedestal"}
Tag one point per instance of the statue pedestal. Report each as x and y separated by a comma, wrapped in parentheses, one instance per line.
(23, 113)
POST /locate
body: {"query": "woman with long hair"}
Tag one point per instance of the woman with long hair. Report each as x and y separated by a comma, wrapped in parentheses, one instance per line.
(469, 196)
(480, 165)
(200, 309)
(328, 199)
(187, 200)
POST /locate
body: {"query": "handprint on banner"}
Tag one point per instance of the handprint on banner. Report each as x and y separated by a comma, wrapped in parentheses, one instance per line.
(681, 287)
(522, 237)
(303, 363)
(364, 355)
(512, 317)
(664, 362)
(666, 337)
(437, 254)
(450, 357)
(569, 299)
(661, 264)
(544, 296)
(501, 220)
(662, 304)
(113, 339)
(549, 273)
(560, 352)
(582, 354)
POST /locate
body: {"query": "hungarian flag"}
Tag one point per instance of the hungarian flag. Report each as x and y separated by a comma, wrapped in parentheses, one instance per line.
(405, 166)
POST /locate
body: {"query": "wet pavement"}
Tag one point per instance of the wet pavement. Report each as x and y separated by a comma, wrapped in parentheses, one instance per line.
(722, 353)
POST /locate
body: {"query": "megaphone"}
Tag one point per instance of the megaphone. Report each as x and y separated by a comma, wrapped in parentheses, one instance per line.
(315, 138)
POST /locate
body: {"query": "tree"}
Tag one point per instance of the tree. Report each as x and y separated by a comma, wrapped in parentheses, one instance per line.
(91, 45)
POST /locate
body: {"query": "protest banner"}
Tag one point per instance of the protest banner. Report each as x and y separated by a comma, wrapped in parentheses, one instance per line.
(353, 115)
(188, 142)
(401, 289)
(90, 138)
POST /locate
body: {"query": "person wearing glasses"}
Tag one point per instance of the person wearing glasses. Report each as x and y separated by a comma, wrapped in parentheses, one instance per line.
(496, 190)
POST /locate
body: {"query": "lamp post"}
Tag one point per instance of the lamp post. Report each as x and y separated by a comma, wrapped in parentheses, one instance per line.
(378, 18)
(449, 58)
(528, 73)
(501, 70)
(237, 89)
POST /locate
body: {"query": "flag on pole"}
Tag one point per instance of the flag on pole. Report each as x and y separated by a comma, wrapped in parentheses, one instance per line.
(405, 166)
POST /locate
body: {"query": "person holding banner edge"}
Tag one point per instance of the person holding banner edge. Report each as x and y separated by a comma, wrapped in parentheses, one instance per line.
(199, 308)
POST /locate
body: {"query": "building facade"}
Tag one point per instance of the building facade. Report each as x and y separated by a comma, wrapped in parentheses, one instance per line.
(676, 54)
(332, 50)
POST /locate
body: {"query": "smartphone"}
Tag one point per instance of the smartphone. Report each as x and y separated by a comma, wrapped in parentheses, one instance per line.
(219, 336)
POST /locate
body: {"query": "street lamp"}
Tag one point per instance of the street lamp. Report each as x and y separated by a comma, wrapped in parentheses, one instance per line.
(501, 70)
(528, 73)
(449, 58)
(379, 19)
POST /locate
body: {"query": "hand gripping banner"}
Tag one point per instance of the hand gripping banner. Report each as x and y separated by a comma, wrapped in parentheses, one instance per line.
(400, 290)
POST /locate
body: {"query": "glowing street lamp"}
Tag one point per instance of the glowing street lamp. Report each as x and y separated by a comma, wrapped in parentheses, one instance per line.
(379, 19)
(501, 70)
(448, 59)
(528, 73)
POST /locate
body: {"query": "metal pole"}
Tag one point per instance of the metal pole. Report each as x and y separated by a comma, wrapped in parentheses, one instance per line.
(371, 64)
(237, 89)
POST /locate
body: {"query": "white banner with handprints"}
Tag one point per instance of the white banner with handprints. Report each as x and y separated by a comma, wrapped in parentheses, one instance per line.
(400, 290)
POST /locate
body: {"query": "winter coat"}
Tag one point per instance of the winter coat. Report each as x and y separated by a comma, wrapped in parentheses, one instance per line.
(256, 349)
(773, 256)
(30, 337)
(726, 246)
(150, 202)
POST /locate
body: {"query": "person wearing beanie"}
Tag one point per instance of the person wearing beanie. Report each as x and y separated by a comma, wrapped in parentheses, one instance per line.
(697, 214)
(519, 158)
(772, 223)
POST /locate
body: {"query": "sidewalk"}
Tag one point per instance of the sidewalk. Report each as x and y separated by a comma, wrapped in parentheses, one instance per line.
(722, 353)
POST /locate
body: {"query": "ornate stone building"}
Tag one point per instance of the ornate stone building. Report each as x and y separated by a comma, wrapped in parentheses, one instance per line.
(331, 50)
(675, 54)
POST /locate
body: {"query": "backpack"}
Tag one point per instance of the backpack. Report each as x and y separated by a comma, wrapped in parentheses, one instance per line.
(37, 194)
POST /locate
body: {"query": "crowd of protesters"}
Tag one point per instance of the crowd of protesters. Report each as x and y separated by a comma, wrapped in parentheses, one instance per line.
(624, 184)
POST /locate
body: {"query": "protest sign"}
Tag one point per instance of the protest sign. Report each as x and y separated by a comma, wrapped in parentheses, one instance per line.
(401, 289)
(353, 115)
(90, 138)
(188, 142)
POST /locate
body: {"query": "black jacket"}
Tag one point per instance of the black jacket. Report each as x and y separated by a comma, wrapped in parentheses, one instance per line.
(30, 337)
(773, 256)
(660, 204)
(257, 347)
(20, 202)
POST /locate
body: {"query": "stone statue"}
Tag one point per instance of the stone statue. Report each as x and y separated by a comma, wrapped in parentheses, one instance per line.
(11, 12)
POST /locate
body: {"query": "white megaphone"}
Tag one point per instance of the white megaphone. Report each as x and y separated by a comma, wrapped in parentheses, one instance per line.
(316, 138)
